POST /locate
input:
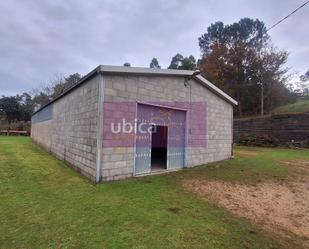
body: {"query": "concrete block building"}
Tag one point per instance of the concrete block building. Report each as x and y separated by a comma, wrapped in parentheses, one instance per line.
(119, 122)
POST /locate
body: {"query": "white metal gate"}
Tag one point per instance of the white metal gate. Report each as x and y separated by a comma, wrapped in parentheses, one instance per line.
(176, 141)
(148, 115)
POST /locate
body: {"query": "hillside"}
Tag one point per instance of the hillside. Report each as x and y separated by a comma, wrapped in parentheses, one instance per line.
(299, 106)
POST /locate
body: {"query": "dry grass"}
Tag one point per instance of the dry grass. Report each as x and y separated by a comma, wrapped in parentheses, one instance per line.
(246, 153)
(277, 207)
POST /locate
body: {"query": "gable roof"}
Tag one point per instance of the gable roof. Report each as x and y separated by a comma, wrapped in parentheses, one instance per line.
(120, 70)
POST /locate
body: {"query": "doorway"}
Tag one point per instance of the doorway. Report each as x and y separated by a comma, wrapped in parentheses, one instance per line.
(159, 138)
(164, 148)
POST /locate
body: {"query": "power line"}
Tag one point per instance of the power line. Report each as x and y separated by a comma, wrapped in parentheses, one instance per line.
(287, 16)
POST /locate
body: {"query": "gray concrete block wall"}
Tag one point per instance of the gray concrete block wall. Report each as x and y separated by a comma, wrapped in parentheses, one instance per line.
(41, 134)
(218, 131)
(74, 130)
(118, 162)
(71, 135)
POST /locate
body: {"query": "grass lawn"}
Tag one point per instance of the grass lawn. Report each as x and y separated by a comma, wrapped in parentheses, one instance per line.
(299, 106)
(45, 204)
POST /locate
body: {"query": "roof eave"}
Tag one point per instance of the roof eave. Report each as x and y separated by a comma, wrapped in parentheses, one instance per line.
(145, 71)
(215, 89)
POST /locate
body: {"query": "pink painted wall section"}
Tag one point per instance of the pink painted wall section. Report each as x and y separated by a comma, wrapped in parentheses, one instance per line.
(122, 123)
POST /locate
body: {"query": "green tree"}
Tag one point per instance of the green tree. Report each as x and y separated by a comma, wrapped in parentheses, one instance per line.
(183, 63)
(188, 63)
(154, 63)
(11, 109)
(62, 84)
(240, 56)
(72, 79)
(40, 99)
(21, 107)
(27, 106)
(176, 62)
(41, 96)
(17, 108)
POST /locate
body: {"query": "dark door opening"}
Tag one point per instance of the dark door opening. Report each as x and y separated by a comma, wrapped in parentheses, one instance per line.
(159, 137)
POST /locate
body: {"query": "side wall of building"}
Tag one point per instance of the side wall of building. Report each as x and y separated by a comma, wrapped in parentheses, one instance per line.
(41, 133)
(71, 134)
(118, 162)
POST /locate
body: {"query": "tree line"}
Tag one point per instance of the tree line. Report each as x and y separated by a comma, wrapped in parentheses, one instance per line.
(20, 107)
(238, 58)
(241, 60)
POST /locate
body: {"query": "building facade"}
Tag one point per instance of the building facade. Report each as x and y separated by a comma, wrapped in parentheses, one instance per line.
(119, 122)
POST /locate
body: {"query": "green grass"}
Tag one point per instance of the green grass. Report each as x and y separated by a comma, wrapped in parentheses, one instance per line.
(45, 204)
(298, 107)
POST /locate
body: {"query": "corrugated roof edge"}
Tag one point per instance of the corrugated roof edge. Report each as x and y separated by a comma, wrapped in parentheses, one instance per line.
(146, 71)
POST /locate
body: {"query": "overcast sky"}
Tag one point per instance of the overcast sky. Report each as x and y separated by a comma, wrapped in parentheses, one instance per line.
(41, 38)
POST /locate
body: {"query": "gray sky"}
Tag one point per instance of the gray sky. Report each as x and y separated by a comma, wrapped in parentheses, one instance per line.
(42, 38)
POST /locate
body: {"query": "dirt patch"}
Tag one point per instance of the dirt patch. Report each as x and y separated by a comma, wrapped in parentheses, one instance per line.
(269, 204)
(174, 210)
(246, 153)
(299, 166)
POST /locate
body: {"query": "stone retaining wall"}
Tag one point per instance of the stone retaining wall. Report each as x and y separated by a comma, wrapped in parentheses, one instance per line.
(284, 129)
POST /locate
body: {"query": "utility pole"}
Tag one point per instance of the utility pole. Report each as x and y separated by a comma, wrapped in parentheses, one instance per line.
(262, 98)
